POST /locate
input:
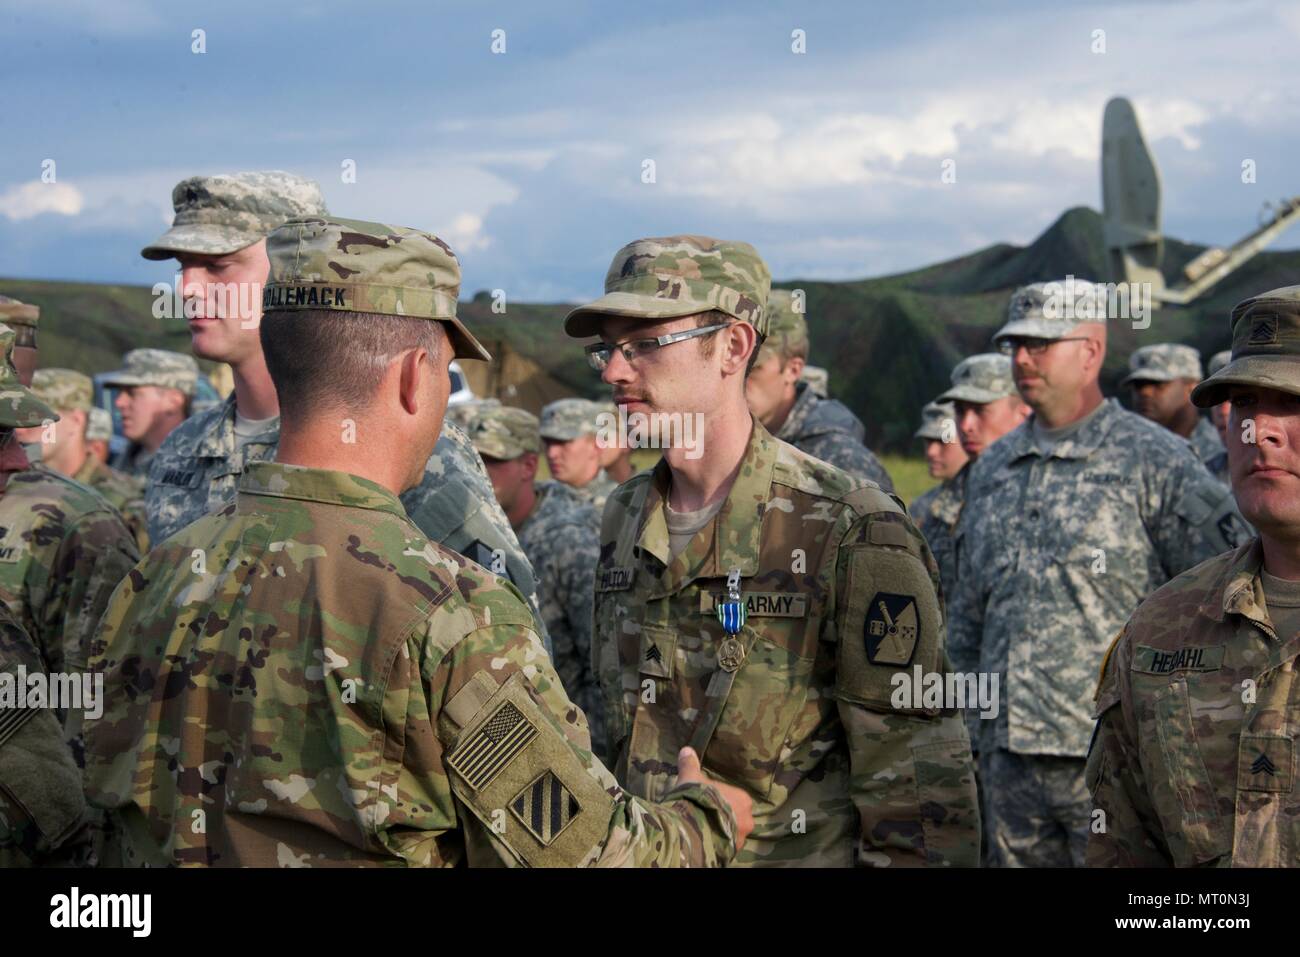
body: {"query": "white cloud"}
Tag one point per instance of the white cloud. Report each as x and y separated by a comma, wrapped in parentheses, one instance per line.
(36, 198)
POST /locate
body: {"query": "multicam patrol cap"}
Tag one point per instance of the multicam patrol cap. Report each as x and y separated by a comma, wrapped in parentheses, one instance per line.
(22, 317)
(1163, 362)
(157, 367)
(347, 265)
(505, 433)
(938, 422)
(1265, 347)
(787, 331)
(1218, 361)
(19, 409)
(63, 388)
(671, 276)
(1051, 310)
(99, 425)
(222, 214)
(981, 379)
(565, 419)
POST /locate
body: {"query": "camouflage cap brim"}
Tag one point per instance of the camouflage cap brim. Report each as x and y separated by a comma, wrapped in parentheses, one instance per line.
(464, 345)
(1036, 328)
(496, 447)
(1148, 375)
(931, 430)
(970, 393)
(558, 433)
(1280, 372)
(585, 320)
(205, 238)
(19, 409)
(117, 380)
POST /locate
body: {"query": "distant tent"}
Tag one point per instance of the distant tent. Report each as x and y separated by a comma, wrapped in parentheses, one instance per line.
(513, 378)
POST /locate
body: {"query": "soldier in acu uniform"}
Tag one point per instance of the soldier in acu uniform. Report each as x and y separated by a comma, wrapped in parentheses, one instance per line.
(219, 236)
(1162, 377)
(569, 429)
(1193, 762)
(64, 447)
(1218, 463)
(937, 510)
(310, 676)
(99, 431)
(1070, 521)
(155, 388)
(560, 533)
(794, 410)
(755, 602)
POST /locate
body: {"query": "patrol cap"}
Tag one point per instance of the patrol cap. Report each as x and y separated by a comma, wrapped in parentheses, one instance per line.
(222, 214)
(22, 317)
(981, 379)
(1163, 362)
(565, 419)
(938, 421)
(1265, 347)
(1052, 310)
(787, 332)
(464, 413)
(63, 388)
(1218, 361)
(505, 433)
(157, 367)
(19, 409)
(671, 276)
(99, 425)
(347, 265)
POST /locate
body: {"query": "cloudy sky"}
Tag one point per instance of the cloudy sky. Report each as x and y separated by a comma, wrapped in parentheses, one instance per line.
(530, 162)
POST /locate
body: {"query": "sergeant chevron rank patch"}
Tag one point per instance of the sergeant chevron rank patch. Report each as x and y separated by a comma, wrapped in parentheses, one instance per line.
(545, 807)
(891, 629)
(493, 746)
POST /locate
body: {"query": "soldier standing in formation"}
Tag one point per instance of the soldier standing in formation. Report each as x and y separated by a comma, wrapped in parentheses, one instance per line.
(155, 389)
(1162, 377)
(569, 430)
(936, 511)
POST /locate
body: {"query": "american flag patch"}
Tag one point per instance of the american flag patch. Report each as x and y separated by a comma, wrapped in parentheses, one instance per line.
(545, 807)
(493, 746)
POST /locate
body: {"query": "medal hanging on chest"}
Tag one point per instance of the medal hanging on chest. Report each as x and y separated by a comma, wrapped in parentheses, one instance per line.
(731, 615)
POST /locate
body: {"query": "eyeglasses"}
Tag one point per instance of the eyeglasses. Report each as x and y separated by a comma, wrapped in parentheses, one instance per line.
(1035, 347)
(599, 353)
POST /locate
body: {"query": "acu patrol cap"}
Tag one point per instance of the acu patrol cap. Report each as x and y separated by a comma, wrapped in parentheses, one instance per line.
(19, 408)
(981, 379)
(157, 367)
(63, 389)
(99, 425)
(505, 433)
(225, 213)
(672, 276)
(1163, 362)
(347, 265)
(787, 332)
(1052, 310)
(565, 419)
(1265, 347)
(938, 422)
(818, 379)
(22, 317)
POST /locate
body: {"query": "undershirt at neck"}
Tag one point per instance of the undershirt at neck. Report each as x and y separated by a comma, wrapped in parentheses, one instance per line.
(1282, 599)
(1048, 439)
(246, 429)
(683, 526)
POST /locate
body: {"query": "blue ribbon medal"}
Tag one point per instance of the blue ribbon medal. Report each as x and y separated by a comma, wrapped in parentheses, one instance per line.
(731, 613)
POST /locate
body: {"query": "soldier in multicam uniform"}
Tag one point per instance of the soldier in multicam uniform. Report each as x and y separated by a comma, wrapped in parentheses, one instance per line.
(219, 237)
(42, 806)
(99, 432)
(569, 430)
(560, 533)
(1070, 521)
(1162, 377)
(1218, 463)
(937, 510)
(793, 411)
(1193, 759)
(22, 318)
(155, 388)
(755, 602)
(65, 450)
(329, 686)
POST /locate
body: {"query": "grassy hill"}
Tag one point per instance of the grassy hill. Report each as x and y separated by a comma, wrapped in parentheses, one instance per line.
(889, 342)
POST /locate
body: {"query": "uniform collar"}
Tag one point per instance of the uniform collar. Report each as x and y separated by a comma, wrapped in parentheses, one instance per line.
(805, 399)
(1080, 445)
(1239, 590)
(87, 470)
(317, 485)
(733, 538)
(218, 442)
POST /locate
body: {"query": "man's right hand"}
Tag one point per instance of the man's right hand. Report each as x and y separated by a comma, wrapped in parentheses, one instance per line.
(742, 806)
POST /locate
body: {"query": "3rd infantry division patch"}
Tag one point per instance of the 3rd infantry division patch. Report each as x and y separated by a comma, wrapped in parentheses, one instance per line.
(545, 807)
(891, 629)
